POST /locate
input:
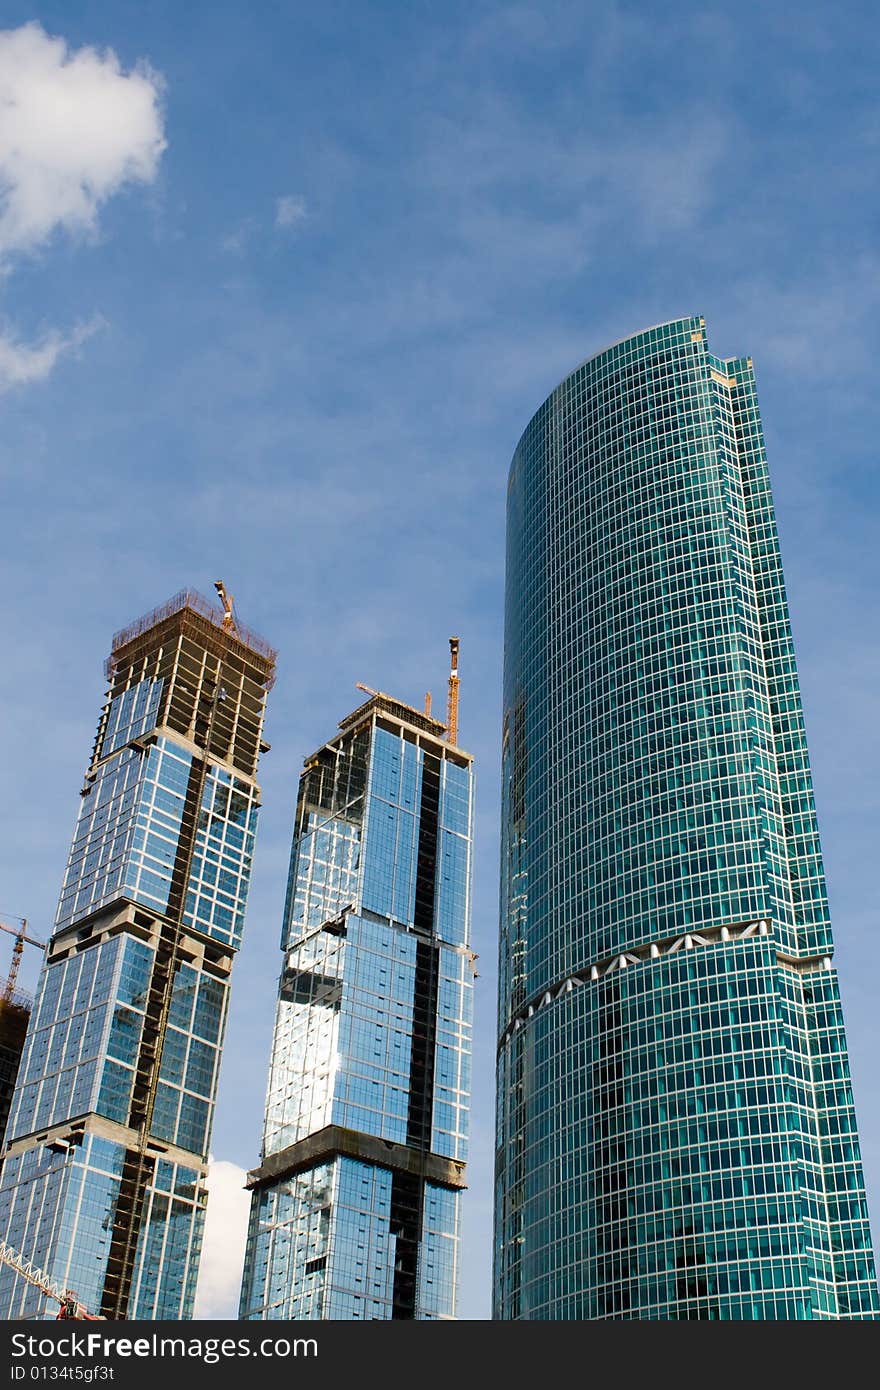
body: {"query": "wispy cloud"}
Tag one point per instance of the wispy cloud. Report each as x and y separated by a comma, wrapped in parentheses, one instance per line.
(20, 364)
(813, 320)
(235, 242)
(290, 210)
(506, 198)
(74, 129)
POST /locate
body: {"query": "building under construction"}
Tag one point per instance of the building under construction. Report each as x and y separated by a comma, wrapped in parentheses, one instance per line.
(103, 1184)
(14, 1015)
(15, 1012)
(355, 1206)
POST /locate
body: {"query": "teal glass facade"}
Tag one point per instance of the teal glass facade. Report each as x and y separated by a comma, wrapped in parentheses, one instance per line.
(103, 1184)
(675, 1126)
(355, 1206)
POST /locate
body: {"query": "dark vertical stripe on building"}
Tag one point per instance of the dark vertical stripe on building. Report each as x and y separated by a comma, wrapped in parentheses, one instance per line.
(426, 854)
(421, 1062)
(138, 1168)
(189, 821)
(407, 1190)
(421, 1066)
(137, 1173)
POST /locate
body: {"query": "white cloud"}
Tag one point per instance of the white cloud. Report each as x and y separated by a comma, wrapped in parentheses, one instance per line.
(290, 211)
(20, 365)
(524, 201)
(223, 1246)
(74, 129)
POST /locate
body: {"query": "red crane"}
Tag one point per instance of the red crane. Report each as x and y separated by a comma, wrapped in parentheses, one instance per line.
(69, 1304)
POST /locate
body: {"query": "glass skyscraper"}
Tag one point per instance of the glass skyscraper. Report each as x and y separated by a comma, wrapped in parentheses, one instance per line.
(676, 1135)
(103, 1183)
(355, 1205)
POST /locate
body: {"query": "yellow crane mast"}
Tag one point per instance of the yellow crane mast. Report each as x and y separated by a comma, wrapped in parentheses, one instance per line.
(452, 697)
(228, 611)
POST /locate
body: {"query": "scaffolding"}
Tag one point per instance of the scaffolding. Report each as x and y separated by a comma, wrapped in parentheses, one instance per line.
(197, 603)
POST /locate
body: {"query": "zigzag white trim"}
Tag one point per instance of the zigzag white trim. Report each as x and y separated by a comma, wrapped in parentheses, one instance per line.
(639, 955)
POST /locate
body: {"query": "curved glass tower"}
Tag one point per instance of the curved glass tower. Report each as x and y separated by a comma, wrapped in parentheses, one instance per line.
(676, 1134)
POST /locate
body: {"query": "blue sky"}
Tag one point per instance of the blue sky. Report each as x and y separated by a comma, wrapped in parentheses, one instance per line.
(295, 349)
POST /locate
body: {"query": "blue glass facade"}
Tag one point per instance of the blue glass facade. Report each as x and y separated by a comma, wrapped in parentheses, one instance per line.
(63, 1203)
(355, 1208)
(128, 832)
(103, 1183)
(676, 1134)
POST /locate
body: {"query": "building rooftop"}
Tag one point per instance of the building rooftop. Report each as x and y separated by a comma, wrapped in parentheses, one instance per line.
(206, 608)
(388, 704)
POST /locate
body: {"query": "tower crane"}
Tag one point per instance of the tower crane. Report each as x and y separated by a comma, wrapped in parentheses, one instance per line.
(452, 693)
(20, 938)
(452, 697)
(69, 1304)
(228, 611)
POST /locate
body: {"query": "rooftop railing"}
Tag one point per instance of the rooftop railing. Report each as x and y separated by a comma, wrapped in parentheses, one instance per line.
(192, 599)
